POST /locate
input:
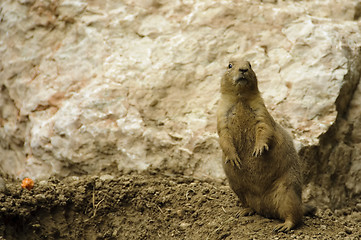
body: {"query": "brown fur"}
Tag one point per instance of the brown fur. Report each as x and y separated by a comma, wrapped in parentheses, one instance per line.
(259, 158)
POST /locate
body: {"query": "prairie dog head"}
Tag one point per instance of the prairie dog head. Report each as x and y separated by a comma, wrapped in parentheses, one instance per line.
(239, 78)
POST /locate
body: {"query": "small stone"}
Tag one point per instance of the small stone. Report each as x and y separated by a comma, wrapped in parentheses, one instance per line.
(43, 183)
(348, 230)
(172, 183)
(106, 177)
(24, 2)
(62, 198)
(115, 233)
(328, 212)
(184, 225)
(323, 227)
(40, 197)
(338, 212)
(74, 178)
(180, 213)
(98, 184)
(36, 225)
(126, 183)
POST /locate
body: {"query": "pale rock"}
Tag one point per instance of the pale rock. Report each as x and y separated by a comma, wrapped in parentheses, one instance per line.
(43, 183)
(106, 177)
(184, 225)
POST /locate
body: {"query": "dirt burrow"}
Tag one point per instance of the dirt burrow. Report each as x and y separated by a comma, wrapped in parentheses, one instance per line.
(149, 205)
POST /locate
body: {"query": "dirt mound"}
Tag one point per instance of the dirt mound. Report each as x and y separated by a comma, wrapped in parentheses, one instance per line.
(150, 205)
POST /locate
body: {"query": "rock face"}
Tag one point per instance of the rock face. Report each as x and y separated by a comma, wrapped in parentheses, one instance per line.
(88, 85)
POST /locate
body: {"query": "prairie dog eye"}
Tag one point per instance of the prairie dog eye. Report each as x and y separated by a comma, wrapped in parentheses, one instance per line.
(230, 65)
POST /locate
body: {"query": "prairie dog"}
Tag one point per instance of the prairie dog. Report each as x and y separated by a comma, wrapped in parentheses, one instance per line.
(259, 158)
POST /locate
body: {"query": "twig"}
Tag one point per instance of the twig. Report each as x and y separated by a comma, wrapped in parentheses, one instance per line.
(160, 209)
(96, 207)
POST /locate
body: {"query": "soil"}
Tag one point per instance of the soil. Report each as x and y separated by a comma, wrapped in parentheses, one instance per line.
(149, 205)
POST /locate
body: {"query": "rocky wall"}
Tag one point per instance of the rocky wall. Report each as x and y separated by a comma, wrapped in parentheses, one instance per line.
(128, 85)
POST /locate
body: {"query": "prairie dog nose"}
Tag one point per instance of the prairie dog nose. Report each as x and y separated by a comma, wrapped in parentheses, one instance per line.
(243, 70)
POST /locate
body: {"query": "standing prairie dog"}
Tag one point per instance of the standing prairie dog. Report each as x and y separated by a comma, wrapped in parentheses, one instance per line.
(259, 158)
